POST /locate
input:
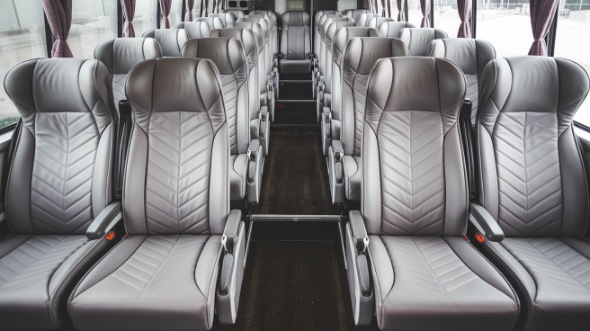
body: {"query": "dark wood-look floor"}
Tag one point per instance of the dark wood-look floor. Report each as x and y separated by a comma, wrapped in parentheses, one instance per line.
(295, 179)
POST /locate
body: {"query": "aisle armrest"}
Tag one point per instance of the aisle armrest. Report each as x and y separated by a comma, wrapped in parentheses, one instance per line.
(485, 223)
(105, 221)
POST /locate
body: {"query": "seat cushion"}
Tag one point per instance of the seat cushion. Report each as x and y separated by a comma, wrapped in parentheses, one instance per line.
(352, 173)
(37, 272)
(554, 276)
(237, 176)
(295, 66)
(436, 283)
(150, 283)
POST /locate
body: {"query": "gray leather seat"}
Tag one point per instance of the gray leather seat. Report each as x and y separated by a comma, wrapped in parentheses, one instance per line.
(533, 184)
(259, 116)
(324, 93)
(176, 209)
(471, 56)
(418, 39)
(344, 154)
(295, 56)
(266, 95)
(171, 40)
(227, 19)
(365, 18)
(414, 212)
(236, 12)
(214, 22)
(272, 17)
(331, 119)
(376, 21)
(320, 70)
(120, 55)
(195, 30)
(266, 32)
(317, 28)
(246, 154)
(393, 29)
(58, 187)
(355, 14)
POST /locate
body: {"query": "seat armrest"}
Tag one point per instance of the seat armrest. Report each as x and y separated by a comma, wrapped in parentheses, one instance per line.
(105, 221)
(338, 150)
(253, 149)
(485, 223)
(232, 226)
(359, 232)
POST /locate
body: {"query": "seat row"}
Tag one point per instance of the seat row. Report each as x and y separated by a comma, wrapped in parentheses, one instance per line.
(409, 261)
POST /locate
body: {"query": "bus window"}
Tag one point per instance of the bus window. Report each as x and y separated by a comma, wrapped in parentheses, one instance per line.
(175, 12)
(507, 25)
(446, 16)
(92, 23)
(22, 37)
(414, 12)
(145, 16)
(573, 29)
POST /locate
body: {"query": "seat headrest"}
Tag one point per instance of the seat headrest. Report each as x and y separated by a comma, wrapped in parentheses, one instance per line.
(296, 18)
(195, 30)
(532, 84)
(236, 13)
(173, 85)
(121, 54)
(418, 39)
(256, 29)
(355, 13)
(471, 55)
(329, 21)
(226, 53)
(246, 37)
(344, 35)
(365, 18)
(376, 21)
(214, 22)
(393, 29)
(261, 21)
(170, 40)
(334, 27)
(61, 85)
(320, 13)
(400, 84)
(361, 54)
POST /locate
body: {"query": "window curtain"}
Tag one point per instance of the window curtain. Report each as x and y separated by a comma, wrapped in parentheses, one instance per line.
(464, 7)
(542, 15)
(188, 16)
(165, 10)
(59, 16)
(128, 7)
(384, 8)
(401, 7)
(204, 5)
(425, 6)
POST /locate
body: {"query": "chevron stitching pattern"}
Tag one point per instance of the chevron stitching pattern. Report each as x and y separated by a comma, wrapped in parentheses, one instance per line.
(119, 88)
(551, 262)
(159, 260)
(472, 94)
(295, 43)
(177, 187)
(429, 263)
(529, 176)
(359, 87)
(411, 153)
(36, 260)
(230, 97)
(61, 186)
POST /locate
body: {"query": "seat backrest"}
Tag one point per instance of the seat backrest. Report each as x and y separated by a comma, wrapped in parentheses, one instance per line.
(339, 43)
(263, 24)
(271, 14)
(360, 55)
(296, 38)
(259, 35)
(330, 34)
(413, 170)
(365, 18)
(471, 56)
(355, 14)
(230, 59)
(195, 30)
(249, 44)
(376, 21)
(317, 27)
(324, 52)
(236, 13)
(177, 168)
(392, 29)
(418, 39)
(532, 175)
(227, 19)
(120, 55)
(214, 22)
(171, 40)
(60, 174)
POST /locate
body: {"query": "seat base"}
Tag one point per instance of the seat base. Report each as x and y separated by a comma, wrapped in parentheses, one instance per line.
(295, 66)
